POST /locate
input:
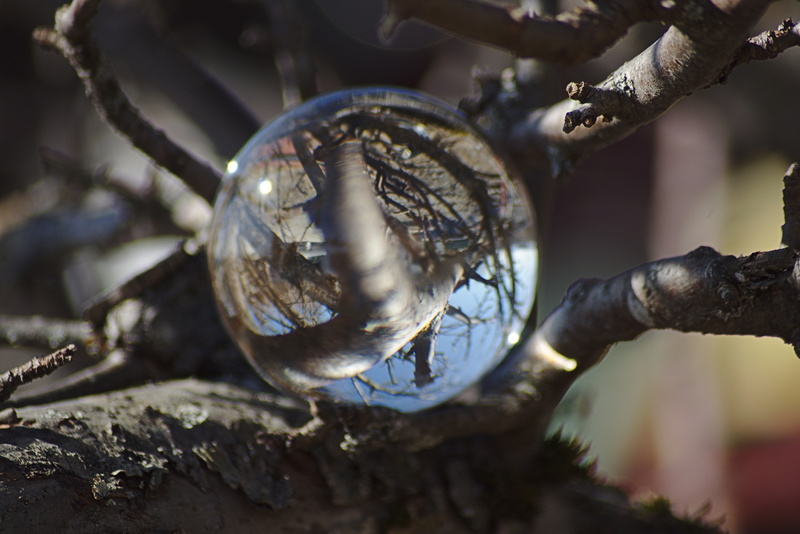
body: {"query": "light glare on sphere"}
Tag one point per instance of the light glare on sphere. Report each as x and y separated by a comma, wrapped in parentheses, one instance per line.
(369, 247)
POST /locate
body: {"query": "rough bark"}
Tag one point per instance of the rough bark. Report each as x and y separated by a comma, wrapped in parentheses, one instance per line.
(203, 457)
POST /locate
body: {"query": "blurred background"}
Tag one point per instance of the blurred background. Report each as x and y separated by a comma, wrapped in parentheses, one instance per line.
(712, 423)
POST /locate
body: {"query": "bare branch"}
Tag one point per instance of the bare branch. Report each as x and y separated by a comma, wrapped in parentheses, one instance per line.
(71, 38)
(189, 454)
(571, 37)
(36, 368)
(702, 291)
(691, 55)
(117, 370)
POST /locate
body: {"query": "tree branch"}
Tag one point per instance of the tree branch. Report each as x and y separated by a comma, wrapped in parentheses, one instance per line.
(71, 38)
(768, 44)
(702, 291)
(572, 37)
(200, 456)
(691, 55)
(36, 368)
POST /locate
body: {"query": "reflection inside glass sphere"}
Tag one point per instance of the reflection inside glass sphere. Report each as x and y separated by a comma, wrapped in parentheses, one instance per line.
(369, 247)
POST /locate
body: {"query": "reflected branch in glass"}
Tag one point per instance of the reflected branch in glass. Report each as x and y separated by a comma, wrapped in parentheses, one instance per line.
(369, 247)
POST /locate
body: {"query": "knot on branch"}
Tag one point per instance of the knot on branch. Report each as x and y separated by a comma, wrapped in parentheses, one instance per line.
(599, 103)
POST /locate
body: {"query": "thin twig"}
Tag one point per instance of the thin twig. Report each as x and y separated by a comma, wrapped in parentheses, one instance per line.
(71, 38)
(39, 331)
(118, 370)
(30, 371)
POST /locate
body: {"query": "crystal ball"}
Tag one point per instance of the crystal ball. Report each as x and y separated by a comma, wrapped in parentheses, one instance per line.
(369, 247)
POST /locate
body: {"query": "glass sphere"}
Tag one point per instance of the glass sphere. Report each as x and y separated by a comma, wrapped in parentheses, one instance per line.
(369, 247)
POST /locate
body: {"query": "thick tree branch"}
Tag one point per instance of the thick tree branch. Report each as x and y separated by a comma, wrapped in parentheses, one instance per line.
(702, 291)
(71, 38)
(200, 457)
(571, 37)
(691, 55)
